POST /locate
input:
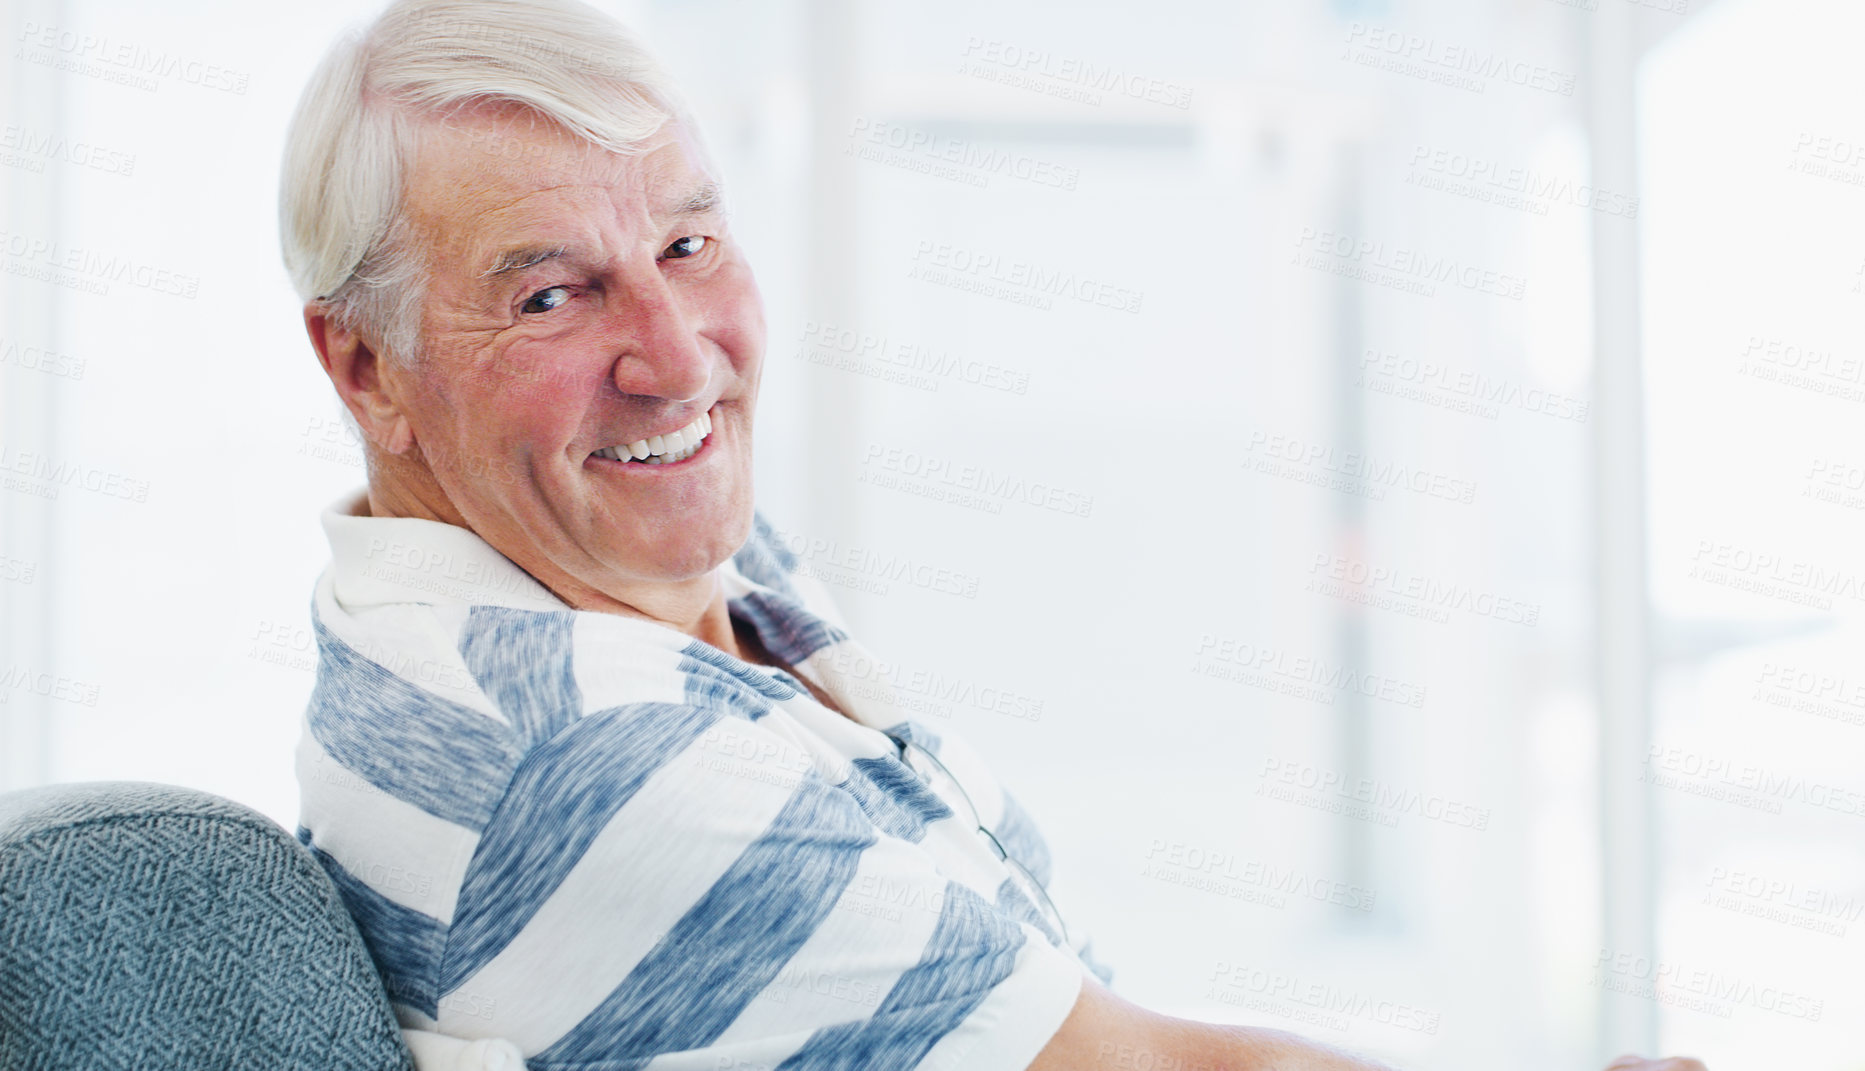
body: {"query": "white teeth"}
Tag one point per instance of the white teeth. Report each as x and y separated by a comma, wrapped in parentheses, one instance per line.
(663, 449)
(677, 455)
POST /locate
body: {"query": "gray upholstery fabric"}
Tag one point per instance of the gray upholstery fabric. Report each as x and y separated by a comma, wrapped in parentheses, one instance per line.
(147, 926)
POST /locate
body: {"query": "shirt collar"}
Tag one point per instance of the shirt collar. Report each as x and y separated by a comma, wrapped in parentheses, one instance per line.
(380, 560)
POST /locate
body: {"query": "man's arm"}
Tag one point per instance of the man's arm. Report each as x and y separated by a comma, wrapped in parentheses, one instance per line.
(1105, 1032)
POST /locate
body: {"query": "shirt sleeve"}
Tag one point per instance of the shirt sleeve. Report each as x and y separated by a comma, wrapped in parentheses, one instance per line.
(671, 886)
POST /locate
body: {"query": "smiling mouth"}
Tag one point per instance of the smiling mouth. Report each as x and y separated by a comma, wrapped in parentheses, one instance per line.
(668, 449)
(663, 448)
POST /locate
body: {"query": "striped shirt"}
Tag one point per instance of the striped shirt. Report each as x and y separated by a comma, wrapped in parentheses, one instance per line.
(620, 847)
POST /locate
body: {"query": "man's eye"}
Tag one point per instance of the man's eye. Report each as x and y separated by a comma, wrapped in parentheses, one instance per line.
(546, 300)
(686, 247)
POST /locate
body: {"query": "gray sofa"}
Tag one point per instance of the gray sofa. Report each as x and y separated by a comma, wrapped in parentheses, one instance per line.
(148, 927)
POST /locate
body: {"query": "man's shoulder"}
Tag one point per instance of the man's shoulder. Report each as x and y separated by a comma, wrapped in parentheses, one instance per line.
(520, 675)
(439, 705)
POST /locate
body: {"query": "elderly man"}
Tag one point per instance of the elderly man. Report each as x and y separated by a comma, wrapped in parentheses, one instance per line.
(585, 755)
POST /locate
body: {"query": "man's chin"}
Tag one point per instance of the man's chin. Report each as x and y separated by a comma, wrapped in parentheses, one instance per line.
(672, 564)
(667, 544)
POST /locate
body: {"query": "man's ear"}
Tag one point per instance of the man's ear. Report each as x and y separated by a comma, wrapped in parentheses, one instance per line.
(363, 380)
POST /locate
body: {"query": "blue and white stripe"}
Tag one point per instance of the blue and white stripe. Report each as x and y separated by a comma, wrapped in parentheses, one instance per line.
(619, 847)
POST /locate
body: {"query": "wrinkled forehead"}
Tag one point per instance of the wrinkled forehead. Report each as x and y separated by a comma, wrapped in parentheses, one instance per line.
(497, 164)
(510, 150)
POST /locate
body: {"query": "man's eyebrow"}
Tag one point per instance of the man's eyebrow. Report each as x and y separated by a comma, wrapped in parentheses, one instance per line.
(513, 260)
(706, 198)
(701, 201)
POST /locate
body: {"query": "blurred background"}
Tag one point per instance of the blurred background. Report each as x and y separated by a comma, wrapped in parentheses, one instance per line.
(1381, 480)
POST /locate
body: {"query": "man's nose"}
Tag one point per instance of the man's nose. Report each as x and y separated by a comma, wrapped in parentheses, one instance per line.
(659, 354)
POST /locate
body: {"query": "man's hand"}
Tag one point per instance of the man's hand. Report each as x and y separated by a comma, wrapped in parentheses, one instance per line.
(1639, 1063)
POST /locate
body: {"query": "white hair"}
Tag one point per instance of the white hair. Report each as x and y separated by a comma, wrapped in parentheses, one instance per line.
(342, 224)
